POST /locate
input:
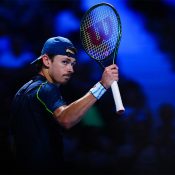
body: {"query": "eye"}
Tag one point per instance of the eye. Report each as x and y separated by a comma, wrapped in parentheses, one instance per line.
(65, 62)
(73, 64)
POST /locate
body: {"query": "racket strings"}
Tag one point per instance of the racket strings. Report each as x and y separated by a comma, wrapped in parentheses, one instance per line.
(102, 26)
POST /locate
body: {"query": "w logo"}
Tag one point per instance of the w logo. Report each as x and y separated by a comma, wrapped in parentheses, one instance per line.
(100, 31)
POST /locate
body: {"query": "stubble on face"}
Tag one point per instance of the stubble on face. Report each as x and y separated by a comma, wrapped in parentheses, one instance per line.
(60, 71)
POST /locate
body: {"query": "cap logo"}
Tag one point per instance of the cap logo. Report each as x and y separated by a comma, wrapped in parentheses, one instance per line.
(69, 51)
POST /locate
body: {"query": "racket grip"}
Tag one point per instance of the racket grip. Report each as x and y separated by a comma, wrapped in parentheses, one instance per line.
(117, 98)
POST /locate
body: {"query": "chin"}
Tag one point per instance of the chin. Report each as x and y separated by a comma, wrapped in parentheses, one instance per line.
(61, 82)
(64, 82)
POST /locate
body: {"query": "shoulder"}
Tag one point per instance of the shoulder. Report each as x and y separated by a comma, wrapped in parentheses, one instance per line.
(49, 95)
(48, 88)
(48, 92)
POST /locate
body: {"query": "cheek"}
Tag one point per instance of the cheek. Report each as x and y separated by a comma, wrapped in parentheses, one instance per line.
(55, 72)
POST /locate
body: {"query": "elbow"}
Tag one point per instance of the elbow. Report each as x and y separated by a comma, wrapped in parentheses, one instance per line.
(69, 123)
(67, 120)
(63, 121)
(66, 124)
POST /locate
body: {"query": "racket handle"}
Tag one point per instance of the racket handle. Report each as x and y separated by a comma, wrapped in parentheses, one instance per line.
(117, 98)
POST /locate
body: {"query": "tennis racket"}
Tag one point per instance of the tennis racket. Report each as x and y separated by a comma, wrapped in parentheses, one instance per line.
(100, 34)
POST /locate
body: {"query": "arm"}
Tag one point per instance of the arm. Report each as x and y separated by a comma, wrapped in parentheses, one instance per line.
(70, 115)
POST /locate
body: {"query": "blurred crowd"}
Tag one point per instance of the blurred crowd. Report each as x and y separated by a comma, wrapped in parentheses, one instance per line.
(103, 142)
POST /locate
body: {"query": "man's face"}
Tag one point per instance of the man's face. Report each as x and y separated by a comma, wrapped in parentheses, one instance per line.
(61, 68)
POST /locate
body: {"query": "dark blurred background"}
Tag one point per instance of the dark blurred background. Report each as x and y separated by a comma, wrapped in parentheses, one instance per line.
(142, 140)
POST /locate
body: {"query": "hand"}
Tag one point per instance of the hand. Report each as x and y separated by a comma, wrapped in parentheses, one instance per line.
(109, 75)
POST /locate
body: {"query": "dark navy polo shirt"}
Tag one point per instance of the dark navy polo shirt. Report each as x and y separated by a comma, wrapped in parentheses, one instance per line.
(37, 135)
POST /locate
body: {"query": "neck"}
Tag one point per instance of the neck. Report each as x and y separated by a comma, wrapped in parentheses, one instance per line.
(45, 73)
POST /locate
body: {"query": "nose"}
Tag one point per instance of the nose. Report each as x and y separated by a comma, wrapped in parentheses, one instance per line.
(70, 68)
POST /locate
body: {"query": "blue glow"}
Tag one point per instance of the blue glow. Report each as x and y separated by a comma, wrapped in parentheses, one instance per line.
(140, 59)
(169, 2)
(8, 59)
(86, 4)
(4, 44)
(66, 22)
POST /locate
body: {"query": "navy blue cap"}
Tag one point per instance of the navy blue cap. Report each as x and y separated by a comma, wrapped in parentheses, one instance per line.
(57, 46)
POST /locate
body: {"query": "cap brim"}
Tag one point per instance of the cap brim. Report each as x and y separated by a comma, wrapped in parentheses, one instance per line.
(36, 60)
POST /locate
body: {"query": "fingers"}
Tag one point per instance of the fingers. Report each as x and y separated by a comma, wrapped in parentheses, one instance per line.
(114, 72)
(110, 74)
(112, 66)
(112, 69)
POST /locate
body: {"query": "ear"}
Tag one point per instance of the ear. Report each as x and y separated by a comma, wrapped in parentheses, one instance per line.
(46, 61)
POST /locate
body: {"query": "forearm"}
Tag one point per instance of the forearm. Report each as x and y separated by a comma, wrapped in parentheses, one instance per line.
(70, 115)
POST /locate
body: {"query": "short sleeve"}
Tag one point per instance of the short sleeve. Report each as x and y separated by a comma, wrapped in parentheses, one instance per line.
(49, 95)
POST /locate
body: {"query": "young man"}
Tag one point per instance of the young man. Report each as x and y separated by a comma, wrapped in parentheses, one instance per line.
(40, 113)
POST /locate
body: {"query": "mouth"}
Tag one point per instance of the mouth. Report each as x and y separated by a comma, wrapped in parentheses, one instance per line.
(67, 77)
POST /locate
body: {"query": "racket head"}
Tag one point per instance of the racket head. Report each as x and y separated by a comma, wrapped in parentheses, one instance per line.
(100, 31)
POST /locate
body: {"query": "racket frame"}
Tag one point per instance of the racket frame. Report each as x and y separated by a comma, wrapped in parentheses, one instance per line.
(115, 89)
(115, 51)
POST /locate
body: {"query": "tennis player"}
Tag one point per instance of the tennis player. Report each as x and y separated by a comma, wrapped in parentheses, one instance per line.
(39, 112)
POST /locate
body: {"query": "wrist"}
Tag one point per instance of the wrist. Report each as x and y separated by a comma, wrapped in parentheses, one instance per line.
(98, 90)
(106, 86)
